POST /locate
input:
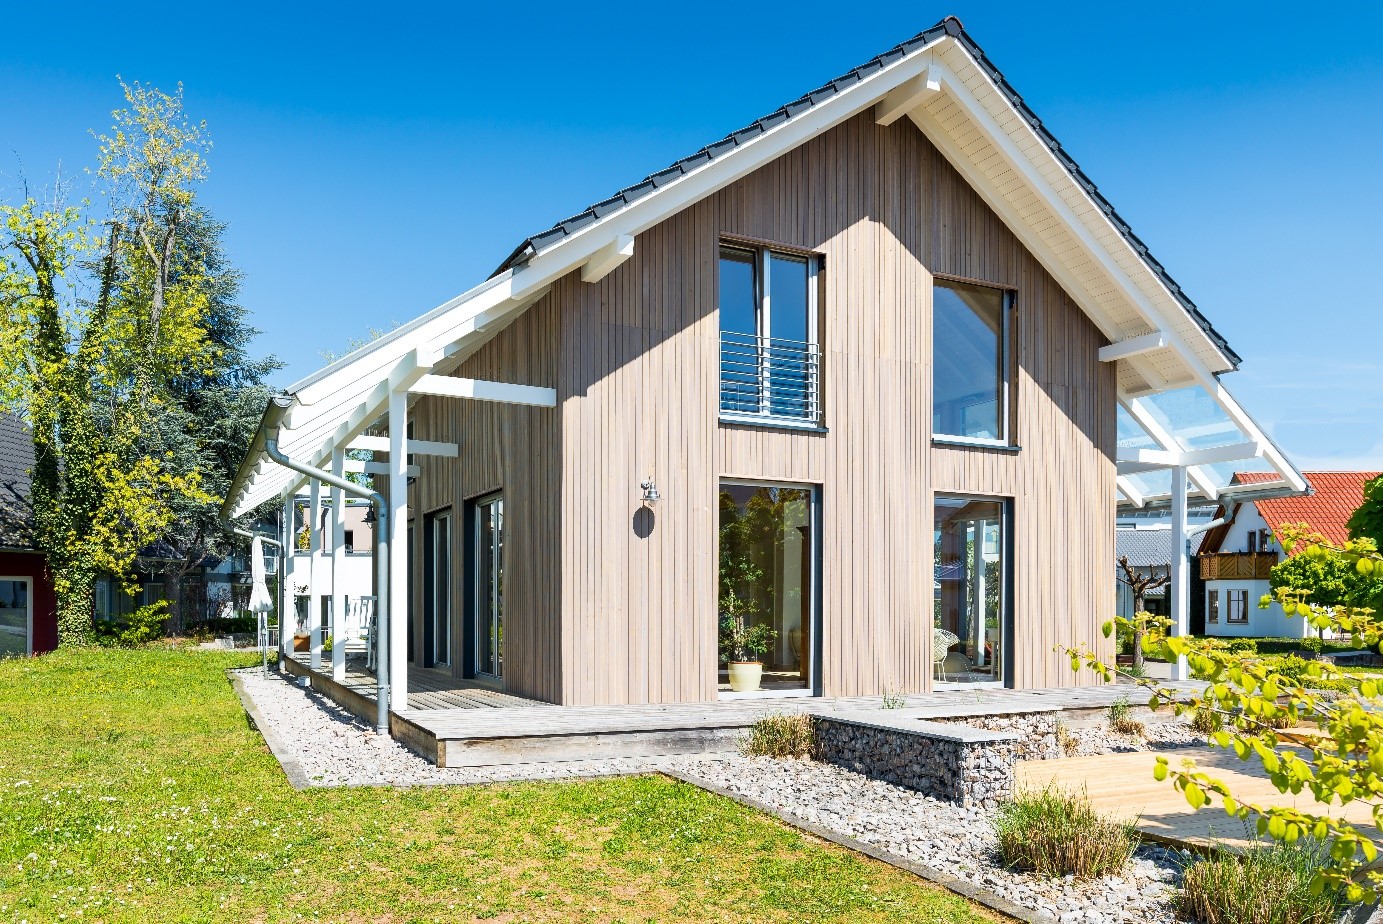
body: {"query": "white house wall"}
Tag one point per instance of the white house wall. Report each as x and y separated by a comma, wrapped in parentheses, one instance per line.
(1272, 622)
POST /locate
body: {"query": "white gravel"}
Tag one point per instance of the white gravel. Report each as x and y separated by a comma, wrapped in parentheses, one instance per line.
(334, 748)
(942, 836)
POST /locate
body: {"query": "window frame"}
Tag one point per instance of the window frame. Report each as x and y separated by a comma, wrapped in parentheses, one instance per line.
(1007, 635)
(1212, 607)
(1232, 596)
(761, 252)
(1009, 326)
(473, 641)
(28, 582)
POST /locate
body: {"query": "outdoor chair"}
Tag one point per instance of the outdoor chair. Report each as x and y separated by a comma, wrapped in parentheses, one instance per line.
(941, 644)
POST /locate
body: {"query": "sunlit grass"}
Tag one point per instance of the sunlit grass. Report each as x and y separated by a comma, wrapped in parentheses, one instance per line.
(133, 789)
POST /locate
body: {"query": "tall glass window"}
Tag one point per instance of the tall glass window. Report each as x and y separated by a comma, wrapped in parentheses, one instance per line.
(440, 591)
(970, 619)
(970, 365)
(769, 355)
(488, 606)
(767, 558)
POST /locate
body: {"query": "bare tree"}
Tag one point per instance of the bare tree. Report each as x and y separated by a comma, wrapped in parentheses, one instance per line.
(1141, 585)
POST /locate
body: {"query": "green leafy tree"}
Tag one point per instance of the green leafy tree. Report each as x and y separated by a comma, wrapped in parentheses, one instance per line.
(1367, 521)
(1258, 703)
(97, 314)
(1326, 580)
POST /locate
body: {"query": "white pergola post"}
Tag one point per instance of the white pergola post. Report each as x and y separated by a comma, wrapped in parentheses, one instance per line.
(287, 620)
(398, 551)
(1181, 566)
(338, 568)
(314, 549)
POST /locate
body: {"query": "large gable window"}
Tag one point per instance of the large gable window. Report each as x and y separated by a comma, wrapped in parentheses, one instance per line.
(970, 362)
(769, 352)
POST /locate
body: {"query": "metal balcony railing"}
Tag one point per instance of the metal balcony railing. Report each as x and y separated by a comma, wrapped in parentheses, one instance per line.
(771, 378)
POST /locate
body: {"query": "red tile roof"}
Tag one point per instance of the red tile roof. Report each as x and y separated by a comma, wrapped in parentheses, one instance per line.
(1338, 494)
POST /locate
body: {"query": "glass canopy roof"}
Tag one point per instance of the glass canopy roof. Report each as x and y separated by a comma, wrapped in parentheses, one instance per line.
(1193, 428)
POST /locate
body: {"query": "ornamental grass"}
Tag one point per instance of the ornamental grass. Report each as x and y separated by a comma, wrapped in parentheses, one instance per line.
(1055, 833)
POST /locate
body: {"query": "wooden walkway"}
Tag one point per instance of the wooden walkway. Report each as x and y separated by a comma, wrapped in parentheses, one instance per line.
(428, 688)
(1122, 786)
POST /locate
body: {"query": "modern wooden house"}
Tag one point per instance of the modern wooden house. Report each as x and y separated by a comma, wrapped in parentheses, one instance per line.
(853, 392)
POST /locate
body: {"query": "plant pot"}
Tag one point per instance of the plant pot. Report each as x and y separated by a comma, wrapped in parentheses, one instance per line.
(302, 642)
(745, 675)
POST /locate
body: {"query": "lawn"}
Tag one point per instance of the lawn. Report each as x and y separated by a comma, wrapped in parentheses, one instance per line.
(133, 789)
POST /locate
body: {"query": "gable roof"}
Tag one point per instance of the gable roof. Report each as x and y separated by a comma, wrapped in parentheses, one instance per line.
(950, 26)
(1334, 497)
(944, 84)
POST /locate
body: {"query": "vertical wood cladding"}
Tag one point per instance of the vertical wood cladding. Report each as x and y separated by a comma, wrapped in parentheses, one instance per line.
(635, 360)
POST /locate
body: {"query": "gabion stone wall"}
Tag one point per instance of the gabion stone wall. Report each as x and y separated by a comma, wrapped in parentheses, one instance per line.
(968, 766)
(1036, 732)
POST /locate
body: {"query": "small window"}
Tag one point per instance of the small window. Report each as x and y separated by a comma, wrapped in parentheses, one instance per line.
(1212, 606)
(1237, 606)
(350, 540)
(970, 361)
(769, 350)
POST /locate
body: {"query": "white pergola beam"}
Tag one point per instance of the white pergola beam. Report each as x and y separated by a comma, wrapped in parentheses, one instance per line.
(1143, 460)
(907, 96)
(1134, 346)
(415, 447)
(606, 259)
(1153, 427)
(447, 386)
(1132, 493)
(376, 468)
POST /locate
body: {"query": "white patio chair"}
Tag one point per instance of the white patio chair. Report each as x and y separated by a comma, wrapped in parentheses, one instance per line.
(941, 644)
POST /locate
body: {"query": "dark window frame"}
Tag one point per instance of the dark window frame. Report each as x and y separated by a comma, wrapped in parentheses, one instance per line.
(1236, 600)
(1008, 360)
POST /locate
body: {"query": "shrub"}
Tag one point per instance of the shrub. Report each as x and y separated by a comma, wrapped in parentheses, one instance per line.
(1055, 833)
(1068, 742)
(1206, 721)
(1313, 644)
(1242, 646)
(143, 625)
(1265, 885)
(780, 735)
(1122, 722)
(894, 700)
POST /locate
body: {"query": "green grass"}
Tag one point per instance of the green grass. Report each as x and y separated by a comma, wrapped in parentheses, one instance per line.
(133, 790)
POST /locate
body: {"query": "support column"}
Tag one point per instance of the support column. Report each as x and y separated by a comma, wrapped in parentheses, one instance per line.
(287, 619)
(338, 568)
(1180, 589)
(977, 613)
(398, 552)
(314, 551)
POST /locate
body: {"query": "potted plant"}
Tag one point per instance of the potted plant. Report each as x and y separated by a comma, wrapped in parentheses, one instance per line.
(743, 643)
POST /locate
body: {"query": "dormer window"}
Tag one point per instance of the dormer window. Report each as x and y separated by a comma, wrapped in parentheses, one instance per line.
(769, 348)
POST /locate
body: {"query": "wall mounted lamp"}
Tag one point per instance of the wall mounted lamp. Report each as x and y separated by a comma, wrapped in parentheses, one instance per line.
(650, 492)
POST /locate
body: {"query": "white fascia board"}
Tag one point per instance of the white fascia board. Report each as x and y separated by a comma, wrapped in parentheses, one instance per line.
(447, 386)
(1134, 346)
(1270, 452)
(415, 447)
(578, 247)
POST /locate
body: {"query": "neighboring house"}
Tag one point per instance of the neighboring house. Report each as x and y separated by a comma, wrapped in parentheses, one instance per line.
(28, 605)
(1149, 553)
(312, 572)
(857, 374)
(1236, 558)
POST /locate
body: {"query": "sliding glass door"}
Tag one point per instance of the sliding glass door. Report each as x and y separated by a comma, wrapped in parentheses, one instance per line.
(487, 599)
(768, 552)
(971, 634)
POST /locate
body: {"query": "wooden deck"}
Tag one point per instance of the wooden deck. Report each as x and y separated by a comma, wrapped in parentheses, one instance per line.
(1122, 786)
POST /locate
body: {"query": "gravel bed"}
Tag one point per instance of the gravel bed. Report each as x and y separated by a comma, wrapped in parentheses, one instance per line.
(1160, 735)
(334, 748)
(940, 835)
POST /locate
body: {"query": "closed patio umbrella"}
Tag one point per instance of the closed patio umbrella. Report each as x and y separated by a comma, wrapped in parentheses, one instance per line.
(260, 601)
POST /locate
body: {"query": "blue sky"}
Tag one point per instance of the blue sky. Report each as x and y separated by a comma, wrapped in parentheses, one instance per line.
(372, 164)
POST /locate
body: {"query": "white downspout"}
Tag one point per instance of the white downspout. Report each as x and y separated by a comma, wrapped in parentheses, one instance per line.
(338, 569)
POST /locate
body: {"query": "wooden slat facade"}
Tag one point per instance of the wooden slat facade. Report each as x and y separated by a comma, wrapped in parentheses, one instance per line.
(607, 604)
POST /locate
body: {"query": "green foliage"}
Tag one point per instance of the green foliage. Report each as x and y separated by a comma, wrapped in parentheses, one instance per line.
(1326, 580)
(1055, 833)
(140, 795)
(139, 628)
(1367, 521)
(781, 735)
(1265, 885)
(1242, 646)
(1121, 720)
(1259, 701)
(100, 312)
(1313, 643)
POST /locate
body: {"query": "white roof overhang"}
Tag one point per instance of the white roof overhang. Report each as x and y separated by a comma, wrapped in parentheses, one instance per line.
(955, 101)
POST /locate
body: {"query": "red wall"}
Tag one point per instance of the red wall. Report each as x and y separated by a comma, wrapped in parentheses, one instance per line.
(31, 565)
